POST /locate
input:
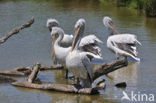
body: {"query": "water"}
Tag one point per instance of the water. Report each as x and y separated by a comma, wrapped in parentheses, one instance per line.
(34, 44)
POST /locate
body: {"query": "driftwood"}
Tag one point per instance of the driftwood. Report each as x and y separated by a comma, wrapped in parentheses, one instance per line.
(25, 71)
(4, 79)
(19, 71)
(109, 67)
(99, 71)
(53, 86)
(56, 87)
(16, 30)
(34, 73)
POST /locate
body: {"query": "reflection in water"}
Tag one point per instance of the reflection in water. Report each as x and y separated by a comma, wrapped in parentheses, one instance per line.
(150, 24)
(57, 97)
(127, 74)
(59, 77)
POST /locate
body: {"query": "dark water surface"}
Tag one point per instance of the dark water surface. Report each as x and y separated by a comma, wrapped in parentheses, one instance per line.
(34, 44)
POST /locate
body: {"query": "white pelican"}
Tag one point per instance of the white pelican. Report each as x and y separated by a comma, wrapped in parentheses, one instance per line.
(121, 44)
(88, 44)
(67, 39)
(78, 62)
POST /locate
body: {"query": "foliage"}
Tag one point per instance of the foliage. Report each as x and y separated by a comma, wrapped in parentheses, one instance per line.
(150, 8)
(148, 5)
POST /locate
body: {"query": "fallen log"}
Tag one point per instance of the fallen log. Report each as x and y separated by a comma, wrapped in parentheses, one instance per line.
(57, 87)
(16, 30)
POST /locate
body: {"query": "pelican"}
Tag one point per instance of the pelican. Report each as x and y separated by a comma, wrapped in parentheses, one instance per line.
(67, 39)
(121, 44)
(78, 62)
(90, 45)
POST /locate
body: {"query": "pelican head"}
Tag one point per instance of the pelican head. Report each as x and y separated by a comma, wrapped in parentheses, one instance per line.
(57, 34)
(52, 23)
(80, 24)
(107, 21)
(79, 29)
(56, 31)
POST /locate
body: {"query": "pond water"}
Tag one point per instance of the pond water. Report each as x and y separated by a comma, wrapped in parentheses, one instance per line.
(34, 44)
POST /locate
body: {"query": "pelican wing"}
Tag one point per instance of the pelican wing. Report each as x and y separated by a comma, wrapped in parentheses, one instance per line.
(90, 39)
(130, 48)
(87, 65)
(124, 44)
(90, 44)
(125, 38)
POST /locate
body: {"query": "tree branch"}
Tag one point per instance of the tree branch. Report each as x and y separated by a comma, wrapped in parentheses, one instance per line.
(109, 67)
(25, 71)
(16, 30)
(34, 73)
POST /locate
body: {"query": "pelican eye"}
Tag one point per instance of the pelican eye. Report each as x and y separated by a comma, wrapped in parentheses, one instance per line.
(57, 35)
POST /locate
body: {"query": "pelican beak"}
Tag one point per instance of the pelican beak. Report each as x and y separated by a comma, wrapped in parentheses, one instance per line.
(76, 37)
(111, 23)
(53, 50)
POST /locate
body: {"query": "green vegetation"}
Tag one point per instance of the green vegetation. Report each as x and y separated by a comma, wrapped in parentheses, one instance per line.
(148, 5)
(150, 8)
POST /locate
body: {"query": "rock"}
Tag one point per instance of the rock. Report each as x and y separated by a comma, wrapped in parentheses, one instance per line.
(121, 85)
